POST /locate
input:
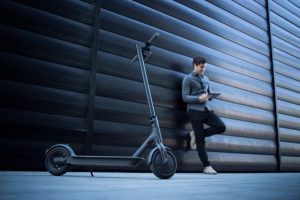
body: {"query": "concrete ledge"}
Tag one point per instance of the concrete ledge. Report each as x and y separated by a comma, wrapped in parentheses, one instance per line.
(144, 186)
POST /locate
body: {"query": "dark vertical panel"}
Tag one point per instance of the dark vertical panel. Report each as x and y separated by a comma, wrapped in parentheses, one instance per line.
(94, 53)
(278, 152)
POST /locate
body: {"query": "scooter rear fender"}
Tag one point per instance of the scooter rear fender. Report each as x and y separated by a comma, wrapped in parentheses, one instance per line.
(66, 146)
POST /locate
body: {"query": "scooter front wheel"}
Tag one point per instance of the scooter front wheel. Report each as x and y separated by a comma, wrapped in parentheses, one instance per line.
(57, 168)
(163, 170)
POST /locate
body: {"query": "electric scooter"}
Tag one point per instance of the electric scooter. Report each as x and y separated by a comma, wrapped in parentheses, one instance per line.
(162, 162)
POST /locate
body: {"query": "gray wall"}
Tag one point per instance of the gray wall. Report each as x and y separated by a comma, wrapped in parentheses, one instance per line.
(46, 60)
(285, 35)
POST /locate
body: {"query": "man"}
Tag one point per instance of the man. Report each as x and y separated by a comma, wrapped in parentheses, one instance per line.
(196, 91)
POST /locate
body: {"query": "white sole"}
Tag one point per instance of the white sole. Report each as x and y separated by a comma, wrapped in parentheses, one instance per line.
(210, 173)
(193, 141)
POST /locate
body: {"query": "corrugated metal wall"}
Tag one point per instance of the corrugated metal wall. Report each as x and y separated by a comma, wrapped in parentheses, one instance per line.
(285, 26)
(46, 68)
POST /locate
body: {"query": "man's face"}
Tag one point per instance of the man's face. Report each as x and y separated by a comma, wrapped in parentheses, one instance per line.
(200, 69)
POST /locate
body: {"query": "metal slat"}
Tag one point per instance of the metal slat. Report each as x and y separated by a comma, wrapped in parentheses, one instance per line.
(286, 36)
(119, 43)
(83, 11)
(42, 73)
(242, 12)
(199, 20)
(227, 18)
(42, 47)
(289, 135)
(44, 23)
(138, 12)
(19, 117)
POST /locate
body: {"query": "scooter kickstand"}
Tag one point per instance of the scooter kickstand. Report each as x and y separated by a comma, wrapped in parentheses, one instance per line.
(91, 170)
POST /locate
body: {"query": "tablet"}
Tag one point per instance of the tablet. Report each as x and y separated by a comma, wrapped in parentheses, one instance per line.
(214, 95)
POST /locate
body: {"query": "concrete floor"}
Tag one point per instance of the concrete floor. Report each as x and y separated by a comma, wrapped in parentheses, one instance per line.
(144, 186)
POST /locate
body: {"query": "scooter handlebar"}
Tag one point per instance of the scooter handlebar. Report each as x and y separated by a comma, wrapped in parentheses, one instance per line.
(153, 38)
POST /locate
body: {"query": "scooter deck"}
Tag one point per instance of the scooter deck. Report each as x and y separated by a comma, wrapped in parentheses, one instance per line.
(105, 161)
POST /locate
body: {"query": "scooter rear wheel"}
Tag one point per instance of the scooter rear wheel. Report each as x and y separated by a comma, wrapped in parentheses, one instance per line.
(57, 168)
(163, 170)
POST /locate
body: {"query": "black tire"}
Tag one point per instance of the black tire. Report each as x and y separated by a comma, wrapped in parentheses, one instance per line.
(161, 170)
(57, 169)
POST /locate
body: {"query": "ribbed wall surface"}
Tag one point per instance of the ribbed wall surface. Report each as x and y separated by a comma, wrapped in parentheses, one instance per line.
(239, 66)
(45, 61)
(285, 35)
(46, 65)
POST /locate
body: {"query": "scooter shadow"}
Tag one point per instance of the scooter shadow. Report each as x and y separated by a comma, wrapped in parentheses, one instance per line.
(134, 176)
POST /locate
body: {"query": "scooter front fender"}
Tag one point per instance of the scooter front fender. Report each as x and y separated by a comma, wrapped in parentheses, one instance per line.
(149, 158)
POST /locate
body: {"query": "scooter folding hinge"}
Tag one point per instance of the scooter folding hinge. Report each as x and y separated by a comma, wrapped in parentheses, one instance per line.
(153, 117)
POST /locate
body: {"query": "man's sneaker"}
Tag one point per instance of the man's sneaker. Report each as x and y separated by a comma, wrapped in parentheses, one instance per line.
(193, 141)
(209, 170)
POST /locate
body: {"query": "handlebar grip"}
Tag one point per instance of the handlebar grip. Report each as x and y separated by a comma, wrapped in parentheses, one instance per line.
(154, 37)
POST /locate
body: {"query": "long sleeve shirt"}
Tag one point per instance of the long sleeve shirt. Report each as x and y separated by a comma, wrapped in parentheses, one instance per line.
(193, 86)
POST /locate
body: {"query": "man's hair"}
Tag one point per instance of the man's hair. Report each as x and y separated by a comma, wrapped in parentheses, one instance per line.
(198, 60)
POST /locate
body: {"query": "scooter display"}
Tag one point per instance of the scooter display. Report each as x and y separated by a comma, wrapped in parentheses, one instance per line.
(162, 162)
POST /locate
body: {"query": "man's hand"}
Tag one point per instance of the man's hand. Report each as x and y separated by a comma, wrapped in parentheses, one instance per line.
(204, 97)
